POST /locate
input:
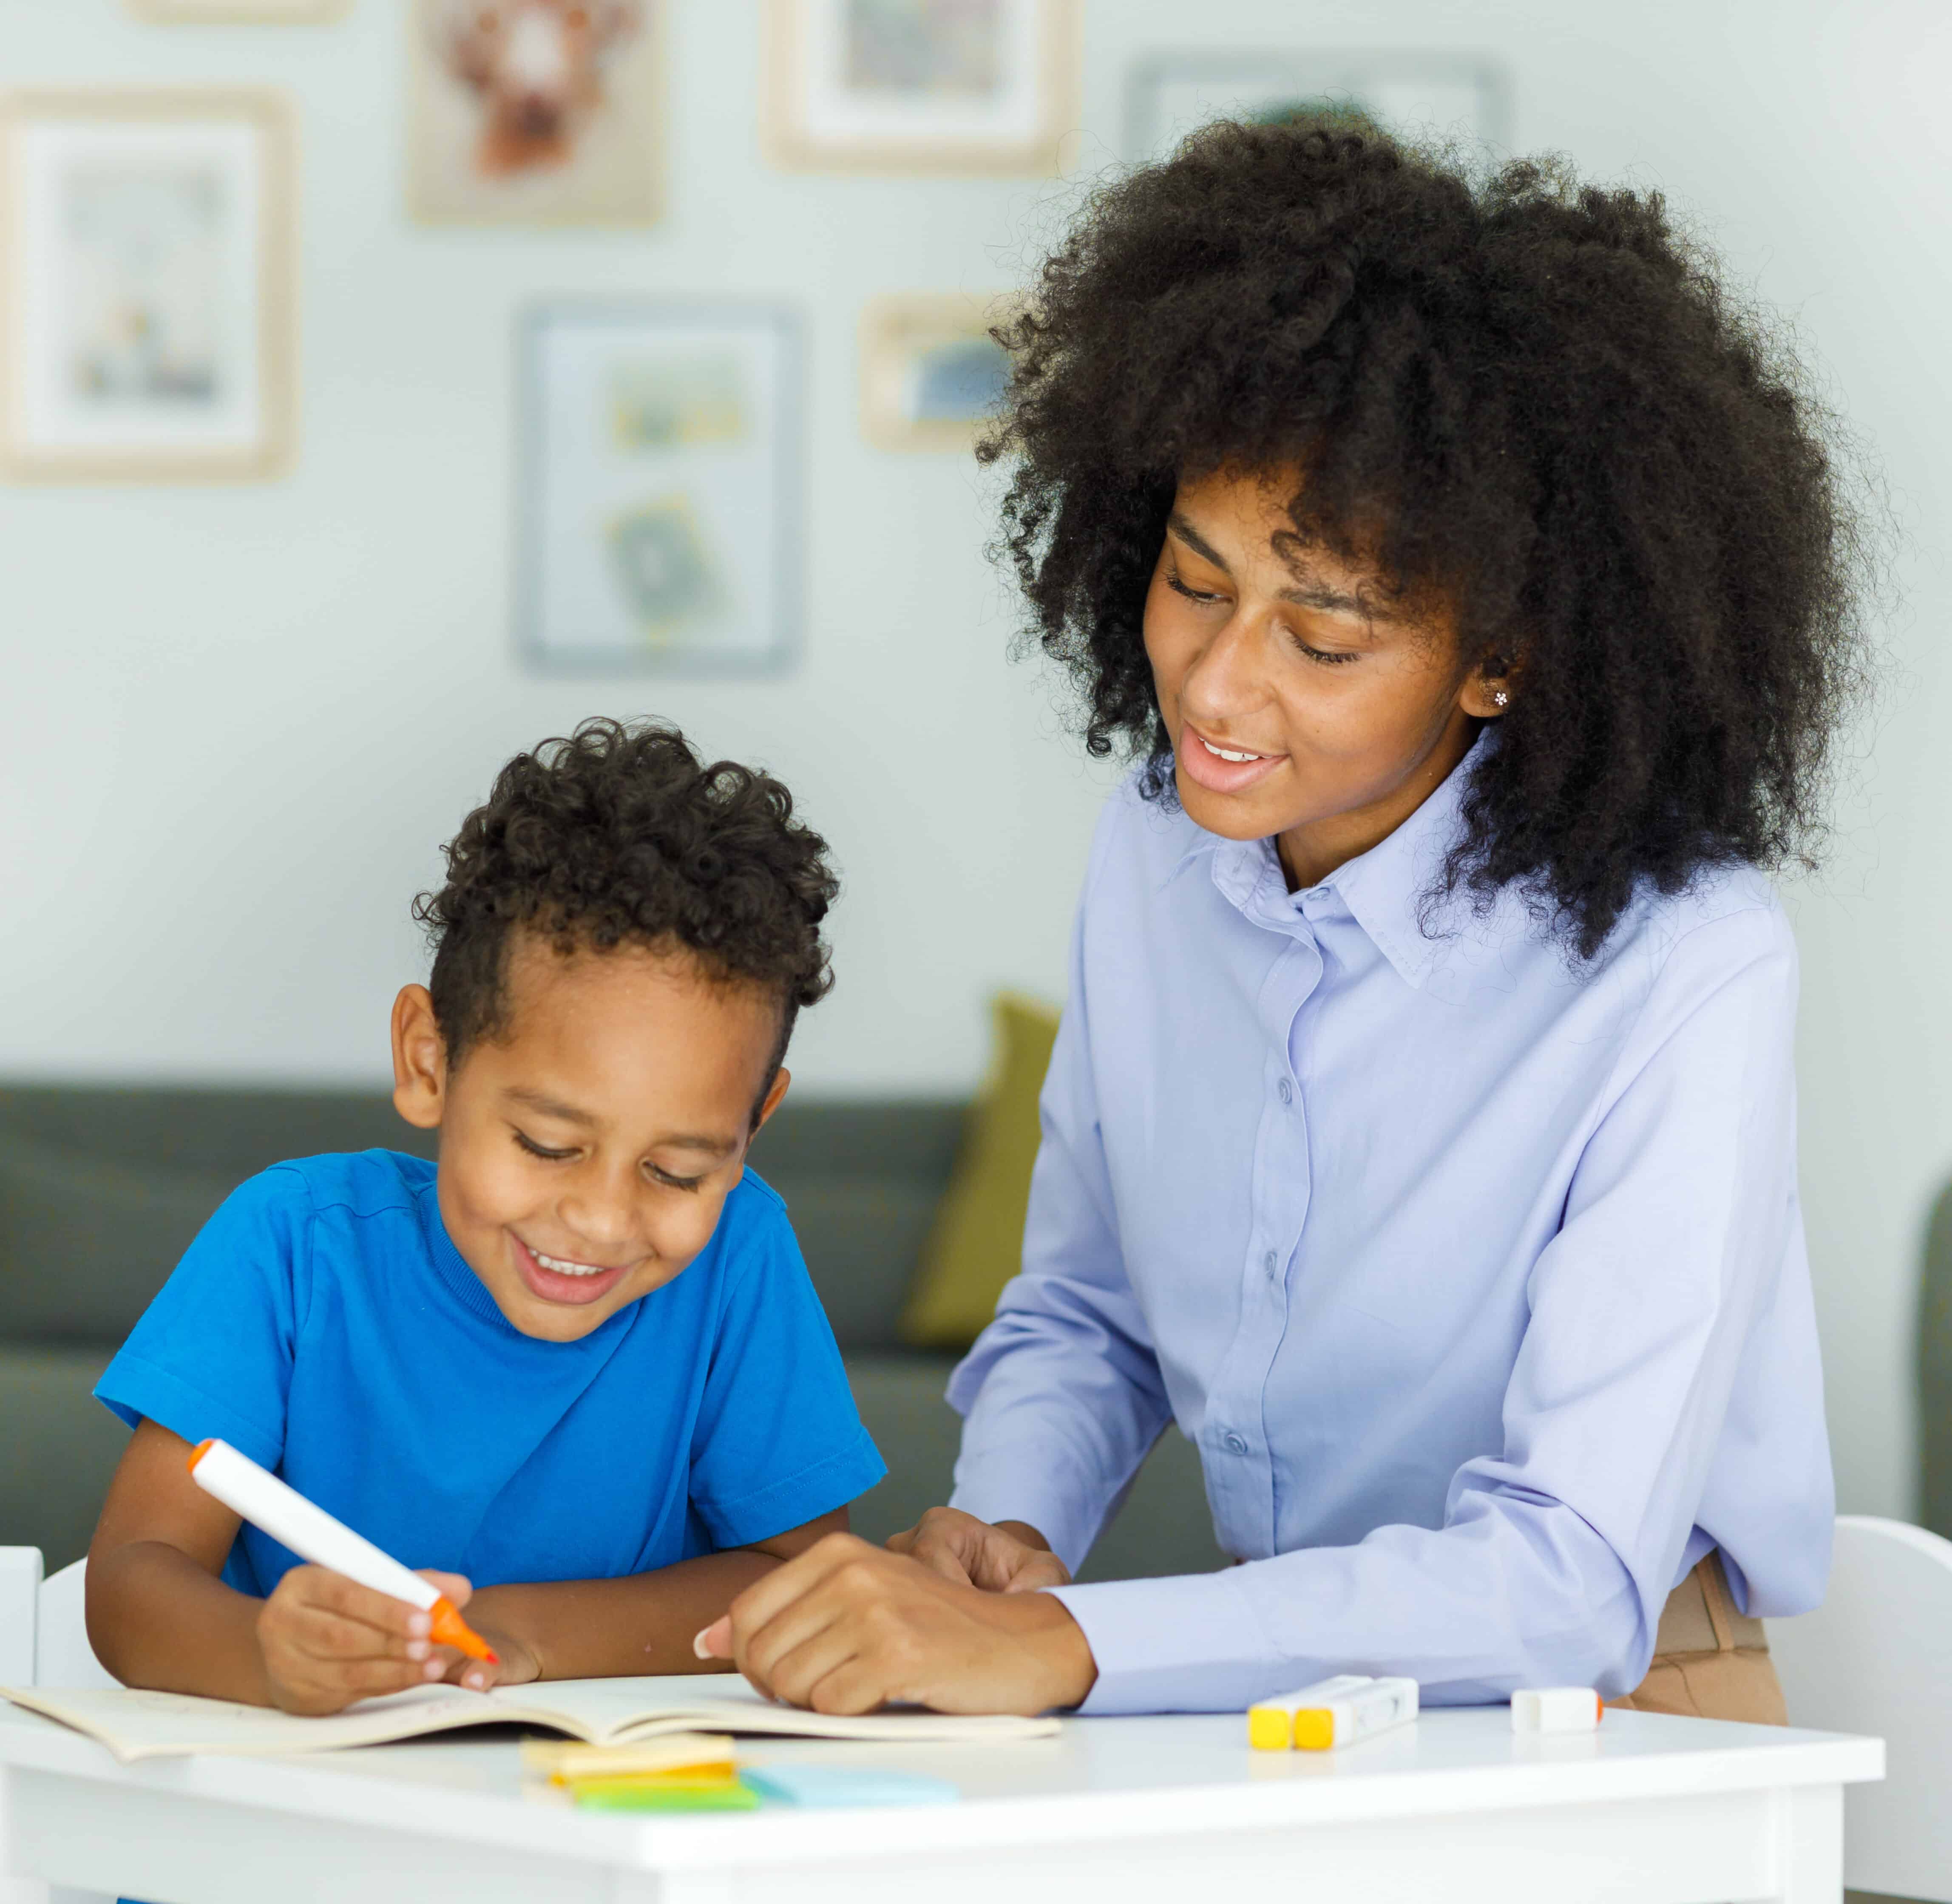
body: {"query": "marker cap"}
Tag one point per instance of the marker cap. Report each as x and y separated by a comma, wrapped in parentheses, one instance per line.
(451, 1630)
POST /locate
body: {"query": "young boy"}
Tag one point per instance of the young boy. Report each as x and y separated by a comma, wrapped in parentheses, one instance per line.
(580, 1363)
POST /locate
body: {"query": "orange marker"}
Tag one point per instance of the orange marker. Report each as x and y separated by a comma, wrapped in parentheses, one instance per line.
(313, 1534)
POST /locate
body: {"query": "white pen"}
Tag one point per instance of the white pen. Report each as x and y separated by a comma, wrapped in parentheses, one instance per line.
(313, 1534)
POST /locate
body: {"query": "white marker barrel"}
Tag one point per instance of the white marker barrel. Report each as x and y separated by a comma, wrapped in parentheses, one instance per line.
(309, 1531)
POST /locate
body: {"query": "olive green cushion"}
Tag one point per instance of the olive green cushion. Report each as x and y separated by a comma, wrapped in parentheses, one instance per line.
(977, 1240)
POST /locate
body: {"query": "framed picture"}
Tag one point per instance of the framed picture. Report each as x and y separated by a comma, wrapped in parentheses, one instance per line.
(249, 12)
(147, 262)
(920, 86)
(931, 374)
(1449, 94)
(661, 449)
(536, 112)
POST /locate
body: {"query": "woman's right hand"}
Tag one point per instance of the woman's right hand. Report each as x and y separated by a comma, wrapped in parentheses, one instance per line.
(327, 1641)
(1006, 1557)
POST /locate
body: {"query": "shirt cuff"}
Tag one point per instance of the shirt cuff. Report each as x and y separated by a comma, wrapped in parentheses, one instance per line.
(1189, 1644)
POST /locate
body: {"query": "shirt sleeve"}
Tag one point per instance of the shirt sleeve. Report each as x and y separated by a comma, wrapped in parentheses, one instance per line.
(212, 1354)
(1061, 1395)
(1556, 1556)
(778, 1442)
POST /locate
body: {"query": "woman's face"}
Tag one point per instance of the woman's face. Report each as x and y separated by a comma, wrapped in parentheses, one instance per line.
(1303, 704)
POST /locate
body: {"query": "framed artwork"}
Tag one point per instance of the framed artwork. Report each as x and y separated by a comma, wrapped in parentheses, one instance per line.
(1450, 94)
(536, 112)
(273, 12)
(931, 374)
(661, 449)
(147, 309)
(920, 86)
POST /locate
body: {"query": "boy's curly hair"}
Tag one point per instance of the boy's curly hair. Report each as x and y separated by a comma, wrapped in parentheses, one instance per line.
(619, 834)
(1532, 398)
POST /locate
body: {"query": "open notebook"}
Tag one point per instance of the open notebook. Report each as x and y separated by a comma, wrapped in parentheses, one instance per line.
(135, 1724)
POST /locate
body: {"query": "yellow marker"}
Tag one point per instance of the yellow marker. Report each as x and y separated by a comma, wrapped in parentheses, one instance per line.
(1271, 1723)
(1333, 1712)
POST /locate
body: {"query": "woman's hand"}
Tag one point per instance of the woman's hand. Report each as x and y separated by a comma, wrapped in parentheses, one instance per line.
(847, 1627)
(327, 1641)
(1008, 1557)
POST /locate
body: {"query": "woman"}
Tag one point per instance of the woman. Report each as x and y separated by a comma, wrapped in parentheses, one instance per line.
(1474, 583)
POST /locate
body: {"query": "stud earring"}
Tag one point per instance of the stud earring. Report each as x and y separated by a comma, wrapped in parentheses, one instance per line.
(1499, 699)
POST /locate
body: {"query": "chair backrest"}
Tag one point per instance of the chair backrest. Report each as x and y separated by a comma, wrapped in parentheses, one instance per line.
(1876, 1657)
(62, 1655)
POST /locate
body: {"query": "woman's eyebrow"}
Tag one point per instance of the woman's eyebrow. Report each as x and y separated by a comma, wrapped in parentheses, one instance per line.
(1318, 594)
(1198, 543)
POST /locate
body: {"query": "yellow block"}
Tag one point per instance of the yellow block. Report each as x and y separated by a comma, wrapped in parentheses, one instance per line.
(1315, 1731)
(1270, 1728)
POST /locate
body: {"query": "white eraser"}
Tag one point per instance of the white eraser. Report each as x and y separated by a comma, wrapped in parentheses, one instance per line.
(1555, 1708)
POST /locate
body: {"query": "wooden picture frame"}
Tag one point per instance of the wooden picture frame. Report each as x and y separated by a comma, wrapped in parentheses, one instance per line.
(229, 13)
(485, 148)
(662, 450)
(931, 374)
(1002, 100)
(148, 256)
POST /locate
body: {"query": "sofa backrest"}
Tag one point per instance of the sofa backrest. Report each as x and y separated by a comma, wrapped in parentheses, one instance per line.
(102, 1189)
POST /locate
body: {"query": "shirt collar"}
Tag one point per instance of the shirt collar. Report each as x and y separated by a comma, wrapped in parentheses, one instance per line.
(1385, 890)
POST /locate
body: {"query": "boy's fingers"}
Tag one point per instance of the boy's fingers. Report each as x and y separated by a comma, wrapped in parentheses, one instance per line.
(319, 1586)
(457, 1586)
(322, 1635)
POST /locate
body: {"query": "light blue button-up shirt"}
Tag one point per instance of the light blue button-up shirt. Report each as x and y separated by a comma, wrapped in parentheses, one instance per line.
(1477, 1275)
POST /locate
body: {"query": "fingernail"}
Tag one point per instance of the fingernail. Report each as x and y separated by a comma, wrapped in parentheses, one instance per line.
(432, 1671)
(475, 1681)
(417, 1649)
(420, 1625)
(699, 1649)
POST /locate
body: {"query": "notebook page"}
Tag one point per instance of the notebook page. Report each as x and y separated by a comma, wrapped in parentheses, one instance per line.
(610, 1710)
(135, 1724)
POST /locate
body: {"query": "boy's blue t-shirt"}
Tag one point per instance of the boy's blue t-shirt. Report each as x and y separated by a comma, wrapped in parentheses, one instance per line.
(324, 1324)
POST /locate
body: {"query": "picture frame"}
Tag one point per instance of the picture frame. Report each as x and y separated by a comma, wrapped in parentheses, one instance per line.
(920, 86)
(489, 142)
(661, 444)
(148, 267)
(227, 12)
(931, 373)
(1169, 95)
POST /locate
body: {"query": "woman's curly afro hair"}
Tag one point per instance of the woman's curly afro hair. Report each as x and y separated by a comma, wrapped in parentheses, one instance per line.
(1533, 398)
(618, 834)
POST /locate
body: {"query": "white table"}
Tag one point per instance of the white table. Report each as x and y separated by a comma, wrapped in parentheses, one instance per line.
(1455, 1809)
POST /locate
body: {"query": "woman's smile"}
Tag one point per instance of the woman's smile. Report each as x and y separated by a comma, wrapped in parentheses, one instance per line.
(1221, 768)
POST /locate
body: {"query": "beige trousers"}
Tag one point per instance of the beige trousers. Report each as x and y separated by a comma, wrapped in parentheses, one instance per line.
(1709, 1661)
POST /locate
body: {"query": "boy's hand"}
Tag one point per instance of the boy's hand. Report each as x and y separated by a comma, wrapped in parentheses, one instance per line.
(1007, 1558)
(327, 1641)
(847, 1627)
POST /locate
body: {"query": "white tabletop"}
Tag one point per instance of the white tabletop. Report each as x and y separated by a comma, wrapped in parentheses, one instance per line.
(1131, 1778)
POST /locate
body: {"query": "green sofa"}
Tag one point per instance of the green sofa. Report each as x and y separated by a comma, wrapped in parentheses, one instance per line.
(101, 1188)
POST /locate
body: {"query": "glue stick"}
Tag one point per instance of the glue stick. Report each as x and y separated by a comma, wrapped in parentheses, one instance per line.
(312, 1533)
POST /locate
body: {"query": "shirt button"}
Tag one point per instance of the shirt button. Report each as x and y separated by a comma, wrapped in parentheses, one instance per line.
(1270, 1262)
(1236, 1444)
(1286, 1091)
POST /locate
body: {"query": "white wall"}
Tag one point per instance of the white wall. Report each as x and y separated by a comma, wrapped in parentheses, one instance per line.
(235, 724)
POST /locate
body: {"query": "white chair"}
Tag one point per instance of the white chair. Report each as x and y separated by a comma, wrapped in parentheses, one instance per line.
(44, 1641)
(1876, 1657)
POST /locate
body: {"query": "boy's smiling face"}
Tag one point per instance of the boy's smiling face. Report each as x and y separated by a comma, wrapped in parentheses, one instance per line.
(587, 1149)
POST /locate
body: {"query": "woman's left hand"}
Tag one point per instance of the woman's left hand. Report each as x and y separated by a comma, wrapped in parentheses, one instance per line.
(848, 1627)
